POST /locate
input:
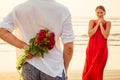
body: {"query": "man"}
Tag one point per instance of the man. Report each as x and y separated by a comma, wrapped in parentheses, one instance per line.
(27, 19)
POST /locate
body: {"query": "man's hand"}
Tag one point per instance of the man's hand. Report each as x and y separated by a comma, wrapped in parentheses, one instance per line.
(67, 54)
(29, 55)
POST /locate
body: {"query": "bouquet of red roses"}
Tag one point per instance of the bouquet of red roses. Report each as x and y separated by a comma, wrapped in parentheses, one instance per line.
(38, 46)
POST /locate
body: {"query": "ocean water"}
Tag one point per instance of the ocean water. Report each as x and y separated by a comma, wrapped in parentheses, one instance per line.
(80, 27)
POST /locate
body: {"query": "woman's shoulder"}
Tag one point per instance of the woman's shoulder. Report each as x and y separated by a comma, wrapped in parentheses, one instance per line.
(92, 21)
(108, 22)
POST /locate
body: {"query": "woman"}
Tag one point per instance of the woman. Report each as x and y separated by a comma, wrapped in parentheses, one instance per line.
(97, 50)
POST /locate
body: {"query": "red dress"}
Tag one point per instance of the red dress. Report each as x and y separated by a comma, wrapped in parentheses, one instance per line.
(96, 56)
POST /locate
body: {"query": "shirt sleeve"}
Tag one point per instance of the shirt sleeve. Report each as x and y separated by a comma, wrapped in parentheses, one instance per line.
(67, 33)
(8, 23)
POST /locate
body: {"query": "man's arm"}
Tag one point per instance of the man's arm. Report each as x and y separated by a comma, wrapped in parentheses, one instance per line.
(11, 39)
(67, 54)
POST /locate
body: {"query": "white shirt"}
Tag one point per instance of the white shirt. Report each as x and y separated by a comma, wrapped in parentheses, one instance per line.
(30, 17)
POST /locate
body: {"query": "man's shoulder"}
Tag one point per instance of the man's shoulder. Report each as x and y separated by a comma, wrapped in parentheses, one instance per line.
(63, 7)
(25, 6)
(28, 6)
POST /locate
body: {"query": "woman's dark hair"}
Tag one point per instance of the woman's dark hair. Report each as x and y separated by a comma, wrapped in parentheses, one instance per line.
(100, 7)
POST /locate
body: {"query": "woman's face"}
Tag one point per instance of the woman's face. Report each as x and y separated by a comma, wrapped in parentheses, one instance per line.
(100, 13)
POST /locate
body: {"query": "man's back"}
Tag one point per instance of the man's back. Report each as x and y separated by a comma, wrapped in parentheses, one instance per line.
(39, 14)
(34, 15)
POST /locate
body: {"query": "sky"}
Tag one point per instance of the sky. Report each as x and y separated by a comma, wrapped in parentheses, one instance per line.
(87, 7)
(79, 8)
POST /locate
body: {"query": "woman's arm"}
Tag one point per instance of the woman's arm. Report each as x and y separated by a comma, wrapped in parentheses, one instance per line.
(91, 30)
(106, 32)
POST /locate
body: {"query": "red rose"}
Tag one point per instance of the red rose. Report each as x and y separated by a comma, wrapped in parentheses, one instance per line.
(52, 35)
(51, 38)
(49, 46)
(38, 39)
(52, 41)
(41, 35)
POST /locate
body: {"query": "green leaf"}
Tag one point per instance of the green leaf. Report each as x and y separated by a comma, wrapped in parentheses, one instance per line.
(20, 61)
(46, 49)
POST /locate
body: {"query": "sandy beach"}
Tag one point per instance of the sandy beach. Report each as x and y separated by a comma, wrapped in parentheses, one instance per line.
(9, 76)
(112, 70)
(73, 75)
